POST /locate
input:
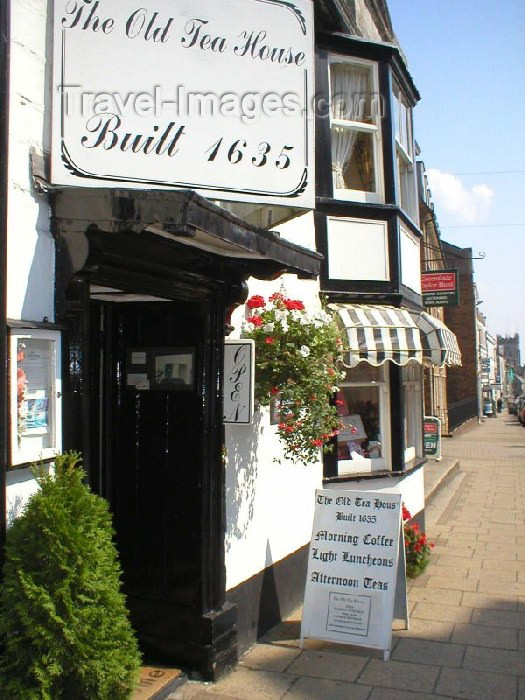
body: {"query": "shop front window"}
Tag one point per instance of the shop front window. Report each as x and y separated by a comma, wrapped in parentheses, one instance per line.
(362, 442)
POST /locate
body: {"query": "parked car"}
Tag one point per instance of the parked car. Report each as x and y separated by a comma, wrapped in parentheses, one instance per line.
(521, 410)
(487, 408)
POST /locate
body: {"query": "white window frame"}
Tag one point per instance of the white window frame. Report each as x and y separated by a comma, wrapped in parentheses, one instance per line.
(412, 389)
(349, 466)
(375, 128)
(405, 152)
(26, 453)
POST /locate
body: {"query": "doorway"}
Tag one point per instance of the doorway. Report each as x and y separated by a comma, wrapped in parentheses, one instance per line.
(150, 416)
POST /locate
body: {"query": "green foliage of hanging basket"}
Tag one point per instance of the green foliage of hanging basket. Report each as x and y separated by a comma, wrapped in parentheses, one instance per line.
(296, 365)
(64, 628)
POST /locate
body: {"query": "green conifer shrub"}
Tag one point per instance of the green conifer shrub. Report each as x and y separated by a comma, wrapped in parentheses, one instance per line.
(64, 628)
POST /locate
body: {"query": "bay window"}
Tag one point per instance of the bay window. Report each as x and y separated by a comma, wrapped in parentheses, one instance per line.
(355, 133)
(405, 163)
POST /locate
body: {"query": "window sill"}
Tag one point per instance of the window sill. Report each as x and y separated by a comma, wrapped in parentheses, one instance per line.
(379, 474)
(357, 196)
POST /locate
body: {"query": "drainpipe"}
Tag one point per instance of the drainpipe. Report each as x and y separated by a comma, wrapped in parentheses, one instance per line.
(5, 21)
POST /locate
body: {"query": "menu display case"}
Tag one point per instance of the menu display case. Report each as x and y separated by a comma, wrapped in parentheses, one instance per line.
(35, 403)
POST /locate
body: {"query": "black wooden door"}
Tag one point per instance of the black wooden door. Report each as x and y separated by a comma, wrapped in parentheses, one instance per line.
(150, 448)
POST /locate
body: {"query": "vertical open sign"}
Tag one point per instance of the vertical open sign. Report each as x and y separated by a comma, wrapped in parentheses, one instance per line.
(239, 357)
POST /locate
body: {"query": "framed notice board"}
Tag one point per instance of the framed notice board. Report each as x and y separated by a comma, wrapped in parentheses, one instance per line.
(35, 395)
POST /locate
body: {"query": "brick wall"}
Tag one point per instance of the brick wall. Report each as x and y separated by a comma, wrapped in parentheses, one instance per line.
(462, 381)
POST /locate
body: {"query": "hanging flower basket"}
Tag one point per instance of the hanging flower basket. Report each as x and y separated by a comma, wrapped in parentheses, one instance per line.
(296, 365)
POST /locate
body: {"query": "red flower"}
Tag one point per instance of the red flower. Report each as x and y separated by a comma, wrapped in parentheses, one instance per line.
(281, 426)
(317, 443)
(406, 513)
(289, 429)
(276, 296)
(293, 305)
(256, 320)
(255, 302)
(274, 390)
(269, 340)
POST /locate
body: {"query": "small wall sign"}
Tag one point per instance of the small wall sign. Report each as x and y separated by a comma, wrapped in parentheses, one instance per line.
(432, 437)
(440, 288)
(352, 568)
(239, 356)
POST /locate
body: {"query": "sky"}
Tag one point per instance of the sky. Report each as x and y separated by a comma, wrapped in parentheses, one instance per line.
(467, 58)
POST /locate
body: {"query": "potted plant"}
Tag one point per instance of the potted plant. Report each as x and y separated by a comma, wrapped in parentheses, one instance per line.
(64, 627)
(417, 547)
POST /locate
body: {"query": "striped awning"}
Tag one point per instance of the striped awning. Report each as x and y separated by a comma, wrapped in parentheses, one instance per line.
(440, 344)
(377, 334)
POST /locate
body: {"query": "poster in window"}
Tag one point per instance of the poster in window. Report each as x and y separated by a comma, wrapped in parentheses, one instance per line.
(173, 368)
(37, 415)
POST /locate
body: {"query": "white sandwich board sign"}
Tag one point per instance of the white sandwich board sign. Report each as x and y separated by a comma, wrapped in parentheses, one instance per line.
(216, 97)
(352, 568)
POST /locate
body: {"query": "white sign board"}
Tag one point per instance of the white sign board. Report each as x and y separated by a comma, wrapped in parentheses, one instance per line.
(215, 97)
(239, 358)
(352, 568)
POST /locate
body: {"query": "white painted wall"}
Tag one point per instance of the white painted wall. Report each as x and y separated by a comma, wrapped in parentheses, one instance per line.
(269, 505)
(30, 247)
(300, 231)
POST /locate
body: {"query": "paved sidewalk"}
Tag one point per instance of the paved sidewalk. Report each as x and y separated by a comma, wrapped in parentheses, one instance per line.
(467, 613)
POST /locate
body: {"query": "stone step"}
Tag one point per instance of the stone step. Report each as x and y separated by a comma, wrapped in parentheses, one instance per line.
(438, 475)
